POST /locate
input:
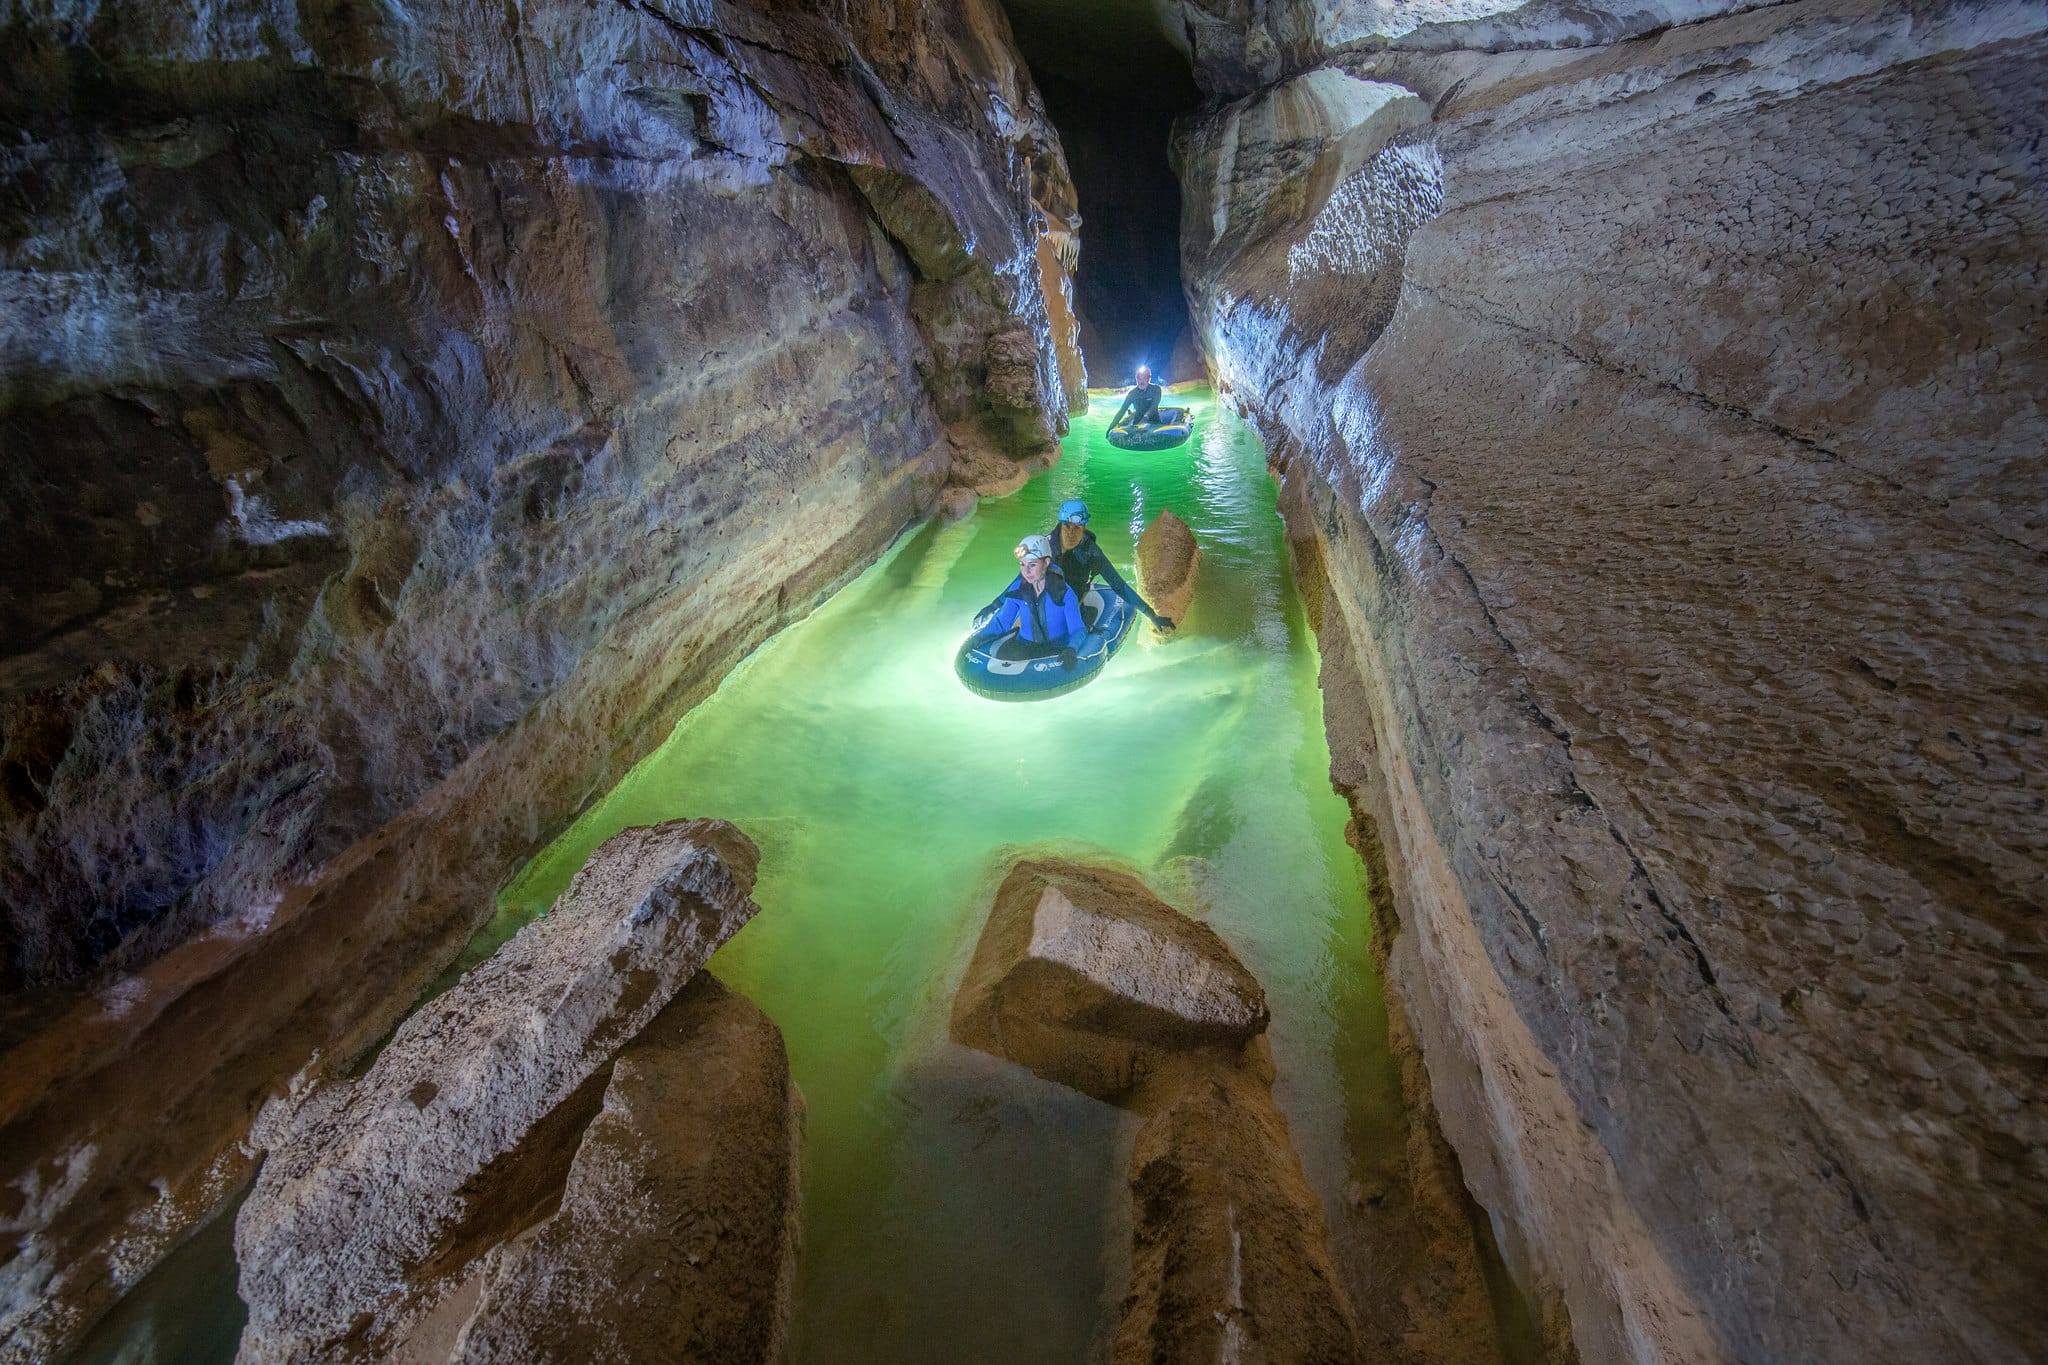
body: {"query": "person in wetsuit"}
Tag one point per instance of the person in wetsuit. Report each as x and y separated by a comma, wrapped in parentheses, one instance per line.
(1039, 605)
(1142, 402)
(1080, 561)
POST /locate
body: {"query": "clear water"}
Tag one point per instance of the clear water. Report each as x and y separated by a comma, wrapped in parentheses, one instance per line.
(958, 1210)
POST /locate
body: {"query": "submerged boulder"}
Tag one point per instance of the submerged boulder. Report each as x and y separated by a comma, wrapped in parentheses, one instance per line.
(677, 1233)
(378, 1193)
(1168, 560)
(1085, 977)
(1088, 979)
(1230, 1256)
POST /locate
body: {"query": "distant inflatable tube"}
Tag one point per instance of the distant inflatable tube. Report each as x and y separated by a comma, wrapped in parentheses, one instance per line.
(987, 674)
(1174, 427)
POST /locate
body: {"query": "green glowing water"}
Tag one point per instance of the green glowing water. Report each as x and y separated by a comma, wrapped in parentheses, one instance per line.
(956, 1209)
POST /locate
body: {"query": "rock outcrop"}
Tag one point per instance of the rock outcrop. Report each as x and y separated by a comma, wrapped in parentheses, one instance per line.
(420, 408)
(1084, 976)
(1230, 1251)
(1168, 560)
(379, 1192)
(677, 1233)
(1663, 417)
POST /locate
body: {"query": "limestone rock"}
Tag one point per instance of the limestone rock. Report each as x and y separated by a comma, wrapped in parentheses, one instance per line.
(1230, 1254)
(1085, 977)
(1091, 981)
(1689, 703)
(376, 1192)
(425, 406)
(1168, 560)
(677, 1233)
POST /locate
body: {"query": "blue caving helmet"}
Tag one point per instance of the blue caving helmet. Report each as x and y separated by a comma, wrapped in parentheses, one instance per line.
(1074, 510)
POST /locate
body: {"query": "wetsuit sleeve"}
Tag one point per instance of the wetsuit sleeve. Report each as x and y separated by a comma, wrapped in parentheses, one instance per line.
(1129, 398)
(1065, 620)
(1006, 609)
(1124, 590)
(996, 604)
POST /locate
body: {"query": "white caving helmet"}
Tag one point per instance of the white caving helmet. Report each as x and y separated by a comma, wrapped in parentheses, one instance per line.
(1034, 547)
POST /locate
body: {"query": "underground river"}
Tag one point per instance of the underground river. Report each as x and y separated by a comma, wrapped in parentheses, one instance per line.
(957, 1208)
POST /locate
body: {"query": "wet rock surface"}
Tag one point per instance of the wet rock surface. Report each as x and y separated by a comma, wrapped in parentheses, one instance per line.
(1088, 979)
(1168, 560)
(1685, 562)
(421, 409)
(1230, 1251)
(1084, 976)
(676, 1237)
(378, 1192)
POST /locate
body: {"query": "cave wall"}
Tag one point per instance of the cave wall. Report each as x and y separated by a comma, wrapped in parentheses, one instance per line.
(408, 412)
(1661, 393)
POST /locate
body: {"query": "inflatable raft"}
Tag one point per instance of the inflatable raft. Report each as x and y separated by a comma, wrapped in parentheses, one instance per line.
(982, 667)
(1174, 427)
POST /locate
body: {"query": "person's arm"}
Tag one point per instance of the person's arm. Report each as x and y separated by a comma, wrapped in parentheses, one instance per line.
(1003, 619)
(987, 613)
(1128, 399)
(1124, 590)
(1065, 621)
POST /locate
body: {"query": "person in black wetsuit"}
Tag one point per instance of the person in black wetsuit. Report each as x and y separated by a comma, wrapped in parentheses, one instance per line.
(1080, 562)
(1142, 402)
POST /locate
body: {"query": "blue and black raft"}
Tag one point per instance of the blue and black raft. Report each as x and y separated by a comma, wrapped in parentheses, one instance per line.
(983, 666)
(1175, 425)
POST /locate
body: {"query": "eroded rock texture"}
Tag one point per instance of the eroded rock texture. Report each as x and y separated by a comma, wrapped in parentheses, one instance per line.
(1084, 976)
(676, 1237)
(379, 1192)
(1168, 562)
(1685, 597)
(416, 408)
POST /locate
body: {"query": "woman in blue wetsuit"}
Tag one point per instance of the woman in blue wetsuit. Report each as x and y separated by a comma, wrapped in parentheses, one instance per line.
(1039, 605)
(1079, 560)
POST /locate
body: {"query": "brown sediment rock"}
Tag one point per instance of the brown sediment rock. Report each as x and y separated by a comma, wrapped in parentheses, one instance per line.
(1168, 560)
(1690, 707)
(1230, 1251)
(676, 1237)
(377, 1192)
(1084, 976)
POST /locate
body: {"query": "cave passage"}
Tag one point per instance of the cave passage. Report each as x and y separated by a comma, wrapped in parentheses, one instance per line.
(1113, 96)
(955, 1207)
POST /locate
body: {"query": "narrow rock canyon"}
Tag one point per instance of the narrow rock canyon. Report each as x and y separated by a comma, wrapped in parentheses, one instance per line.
(413, 417)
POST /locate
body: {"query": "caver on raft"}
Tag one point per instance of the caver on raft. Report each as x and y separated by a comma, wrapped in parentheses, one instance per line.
(1141, 424)
(1041, 638)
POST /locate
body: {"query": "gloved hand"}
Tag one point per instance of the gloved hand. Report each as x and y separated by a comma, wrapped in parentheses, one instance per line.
(982, 618)
(1069, 659)
(1164, 622)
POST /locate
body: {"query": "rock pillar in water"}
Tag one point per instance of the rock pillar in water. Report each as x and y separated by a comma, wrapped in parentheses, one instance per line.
(1088, 979)
(1168, 560)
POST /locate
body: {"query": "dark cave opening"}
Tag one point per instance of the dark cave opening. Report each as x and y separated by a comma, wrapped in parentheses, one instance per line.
(1114, 98)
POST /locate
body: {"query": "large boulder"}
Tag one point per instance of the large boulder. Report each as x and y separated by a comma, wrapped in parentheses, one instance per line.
(1088, 979)
(1168, 560)
(677, 1233)
(378, 1194)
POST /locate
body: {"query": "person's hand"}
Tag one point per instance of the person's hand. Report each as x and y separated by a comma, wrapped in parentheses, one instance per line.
(1069, 659)
(1164, 622)
(982, 618)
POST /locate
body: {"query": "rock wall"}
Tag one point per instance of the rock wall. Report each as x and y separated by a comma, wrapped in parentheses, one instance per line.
(1663, 413)
(409, 411)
